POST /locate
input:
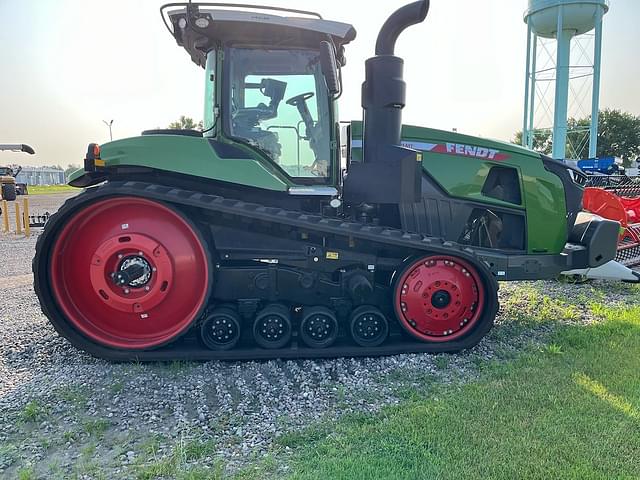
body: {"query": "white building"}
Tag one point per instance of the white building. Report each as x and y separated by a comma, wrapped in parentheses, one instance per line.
(41, 176)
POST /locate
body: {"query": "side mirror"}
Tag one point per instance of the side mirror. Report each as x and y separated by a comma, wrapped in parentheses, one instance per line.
(329, 66)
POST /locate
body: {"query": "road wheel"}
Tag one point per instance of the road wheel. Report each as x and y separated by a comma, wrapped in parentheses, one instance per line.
(272, 327)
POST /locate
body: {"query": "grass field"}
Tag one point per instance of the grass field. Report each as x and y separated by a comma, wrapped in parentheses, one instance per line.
(47, 189)
(570, 411)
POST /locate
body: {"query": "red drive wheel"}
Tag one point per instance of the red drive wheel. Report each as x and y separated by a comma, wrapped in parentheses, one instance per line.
(439, 298)
(129, 273)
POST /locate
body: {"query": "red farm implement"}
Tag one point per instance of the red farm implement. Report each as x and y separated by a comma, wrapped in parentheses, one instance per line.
(617, 197)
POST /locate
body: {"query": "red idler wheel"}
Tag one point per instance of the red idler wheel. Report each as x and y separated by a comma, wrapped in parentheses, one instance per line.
(439, 298)
(129, 273)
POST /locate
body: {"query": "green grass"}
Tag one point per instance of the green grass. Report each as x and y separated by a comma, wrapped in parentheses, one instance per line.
(96, 427)
(182, 464)
(46, 189)
(117, 387)
(570, 410)
(179, 366)
(26, 474)
(76, 396)
(9, 453)
(33, 411)
(70, 436)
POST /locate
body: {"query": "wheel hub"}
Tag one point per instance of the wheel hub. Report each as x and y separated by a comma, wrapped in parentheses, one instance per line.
(134, 271)
(272, 328)
(368, 326)
(318, 327)
(222, 330)
(131, 273)
(439, 298)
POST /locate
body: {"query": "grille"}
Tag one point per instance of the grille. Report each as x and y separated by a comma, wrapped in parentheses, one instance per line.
(621, 185)
(629, 254)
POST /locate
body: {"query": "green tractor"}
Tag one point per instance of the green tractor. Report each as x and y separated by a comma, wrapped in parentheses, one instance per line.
(9, 188)
(278, 232)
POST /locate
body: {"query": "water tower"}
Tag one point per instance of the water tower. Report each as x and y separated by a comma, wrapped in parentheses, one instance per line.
(563, 64)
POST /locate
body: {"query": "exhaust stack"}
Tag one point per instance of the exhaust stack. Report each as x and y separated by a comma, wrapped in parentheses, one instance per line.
(389, 172)
(401, 19)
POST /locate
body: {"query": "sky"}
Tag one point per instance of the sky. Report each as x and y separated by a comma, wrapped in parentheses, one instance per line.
(67, 65)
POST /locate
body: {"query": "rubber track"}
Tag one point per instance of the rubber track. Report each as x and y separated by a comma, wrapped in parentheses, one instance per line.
(184, 349)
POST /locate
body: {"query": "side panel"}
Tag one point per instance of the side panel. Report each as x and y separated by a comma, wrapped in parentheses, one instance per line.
(193, 156)
(460, 164)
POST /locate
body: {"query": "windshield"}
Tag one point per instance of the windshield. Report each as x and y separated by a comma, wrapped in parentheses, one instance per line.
(278, 103)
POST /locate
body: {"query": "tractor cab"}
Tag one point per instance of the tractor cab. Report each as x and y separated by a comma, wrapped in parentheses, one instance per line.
(271, 83)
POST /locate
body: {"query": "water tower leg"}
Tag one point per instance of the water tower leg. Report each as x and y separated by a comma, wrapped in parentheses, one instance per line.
(532, 99)
(595, 99)
(525, 125)
(562, 90)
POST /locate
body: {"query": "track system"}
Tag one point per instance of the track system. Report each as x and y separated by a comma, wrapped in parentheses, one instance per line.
(140, 271)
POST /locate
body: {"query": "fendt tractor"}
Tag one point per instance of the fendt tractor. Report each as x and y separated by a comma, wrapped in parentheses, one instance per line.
(277, 232)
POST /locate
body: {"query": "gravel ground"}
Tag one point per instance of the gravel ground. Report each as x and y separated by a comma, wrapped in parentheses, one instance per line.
(67, 414)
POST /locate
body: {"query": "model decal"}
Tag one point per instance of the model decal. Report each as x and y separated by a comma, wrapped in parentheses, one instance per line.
(458, 149)
(471, 151)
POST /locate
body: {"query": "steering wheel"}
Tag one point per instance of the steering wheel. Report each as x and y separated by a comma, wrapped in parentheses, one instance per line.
(303, 97)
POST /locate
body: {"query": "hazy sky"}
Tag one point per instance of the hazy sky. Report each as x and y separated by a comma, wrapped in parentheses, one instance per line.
(67, 65)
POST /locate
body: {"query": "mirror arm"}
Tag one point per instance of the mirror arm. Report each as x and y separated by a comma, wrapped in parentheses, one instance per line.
(339, 94)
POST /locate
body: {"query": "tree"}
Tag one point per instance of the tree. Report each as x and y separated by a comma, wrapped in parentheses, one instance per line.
(70, 169)
(541, 140)
(185, 123)
(618, 136)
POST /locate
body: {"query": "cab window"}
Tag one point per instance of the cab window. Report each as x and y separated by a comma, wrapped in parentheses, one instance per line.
(279, 104)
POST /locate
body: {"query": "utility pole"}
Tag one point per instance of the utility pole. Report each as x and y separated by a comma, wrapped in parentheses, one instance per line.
(108, 124)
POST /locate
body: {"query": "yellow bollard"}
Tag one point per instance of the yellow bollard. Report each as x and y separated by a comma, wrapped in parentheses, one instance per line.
(27, 228)
(5, 216)
(18, 219)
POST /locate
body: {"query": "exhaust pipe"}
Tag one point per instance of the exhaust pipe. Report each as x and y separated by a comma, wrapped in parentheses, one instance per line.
(384, 90)
(389, 173)
(401, 19)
